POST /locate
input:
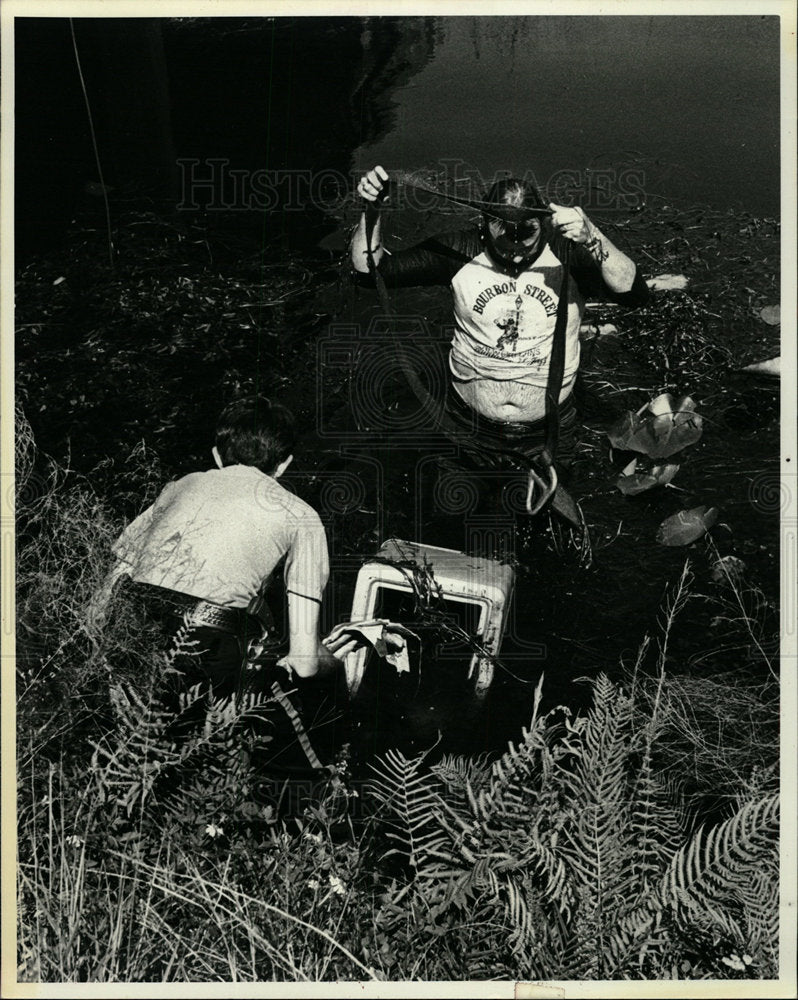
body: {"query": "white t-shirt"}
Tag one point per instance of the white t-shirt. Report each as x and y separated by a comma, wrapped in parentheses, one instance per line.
(504, 326)
(218, 535)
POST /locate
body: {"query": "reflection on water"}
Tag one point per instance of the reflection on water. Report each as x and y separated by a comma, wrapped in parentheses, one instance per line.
(394, 50)
(695, 98)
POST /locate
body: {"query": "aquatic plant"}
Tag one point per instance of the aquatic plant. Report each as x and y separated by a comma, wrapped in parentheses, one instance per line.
(660, 428)
(686, 526)
(108, 356)
(633, 481)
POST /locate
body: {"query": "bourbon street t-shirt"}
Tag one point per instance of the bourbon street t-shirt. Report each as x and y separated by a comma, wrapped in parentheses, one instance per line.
(503, 323)
(504, 326)
(218, 535)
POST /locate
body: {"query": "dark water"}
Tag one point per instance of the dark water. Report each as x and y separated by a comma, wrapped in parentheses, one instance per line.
(573, 614)
(692, 108)
(695, 98)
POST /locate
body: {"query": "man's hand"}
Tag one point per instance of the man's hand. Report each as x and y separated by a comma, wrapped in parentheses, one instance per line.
(372, 189)
(372, 185)
(617, 270)
(340, 644)
(388, 638)
(572, 223)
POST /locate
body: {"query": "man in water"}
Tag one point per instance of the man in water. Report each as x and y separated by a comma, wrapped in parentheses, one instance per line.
(508, 276)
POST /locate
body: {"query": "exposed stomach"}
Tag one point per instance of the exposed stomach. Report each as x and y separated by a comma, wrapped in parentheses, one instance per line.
(513, 401)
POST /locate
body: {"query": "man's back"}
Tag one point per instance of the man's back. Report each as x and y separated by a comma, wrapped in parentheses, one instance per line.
(217, 535)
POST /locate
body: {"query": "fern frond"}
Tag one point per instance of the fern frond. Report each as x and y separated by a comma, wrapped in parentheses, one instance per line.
(514, 776)
(455, 772)
(526, 927)
(709, 871)
(596, 839)
(656, 827)
(759, 897)
(710, 879)
(126, 765)
(411, 800)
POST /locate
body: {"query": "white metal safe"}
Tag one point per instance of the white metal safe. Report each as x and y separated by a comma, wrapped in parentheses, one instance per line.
(477, 587)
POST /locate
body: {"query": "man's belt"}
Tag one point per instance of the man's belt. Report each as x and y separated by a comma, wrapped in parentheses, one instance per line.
(200, 612)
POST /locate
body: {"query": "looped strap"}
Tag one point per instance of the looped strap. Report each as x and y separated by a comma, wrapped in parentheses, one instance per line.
(546, 490)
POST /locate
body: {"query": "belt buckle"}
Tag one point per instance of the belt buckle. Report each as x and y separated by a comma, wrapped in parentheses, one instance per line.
(204, 613)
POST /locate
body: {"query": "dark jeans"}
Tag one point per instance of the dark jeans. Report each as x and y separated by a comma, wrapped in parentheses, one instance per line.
(205, 663)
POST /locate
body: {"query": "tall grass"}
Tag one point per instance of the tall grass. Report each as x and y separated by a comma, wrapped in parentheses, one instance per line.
(717, 713)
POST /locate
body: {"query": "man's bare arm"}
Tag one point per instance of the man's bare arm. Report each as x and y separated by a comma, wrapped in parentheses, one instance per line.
(617, 270)
(303, 634)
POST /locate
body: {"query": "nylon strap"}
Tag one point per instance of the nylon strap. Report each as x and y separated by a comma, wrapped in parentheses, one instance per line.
(500, 212)
(557, 363)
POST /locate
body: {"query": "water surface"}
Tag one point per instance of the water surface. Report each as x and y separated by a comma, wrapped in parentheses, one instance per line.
(696, 98)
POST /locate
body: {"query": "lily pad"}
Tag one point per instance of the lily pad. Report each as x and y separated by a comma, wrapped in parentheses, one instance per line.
(728, 570)
(771, 315)
(631, 482)
(771, 367)
(660, 428)
(686, 526)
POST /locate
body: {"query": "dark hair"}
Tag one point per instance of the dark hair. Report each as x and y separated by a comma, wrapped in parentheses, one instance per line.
(515, 193)
(255, 431)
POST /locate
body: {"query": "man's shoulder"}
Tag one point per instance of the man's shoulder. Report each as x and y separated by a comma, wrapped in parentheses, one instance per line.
(276, 497)
(205, 483)
(243, 486)
(178, 487)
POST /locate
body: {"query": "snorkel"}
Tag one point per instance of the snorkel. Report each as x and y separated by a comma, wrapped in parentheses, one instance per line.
(514, 218)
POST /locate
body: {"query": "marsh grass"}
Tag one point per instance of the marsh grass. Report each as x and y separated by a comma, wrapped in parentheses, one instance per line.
(717, 712)
(64, 536)
(192, 911)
